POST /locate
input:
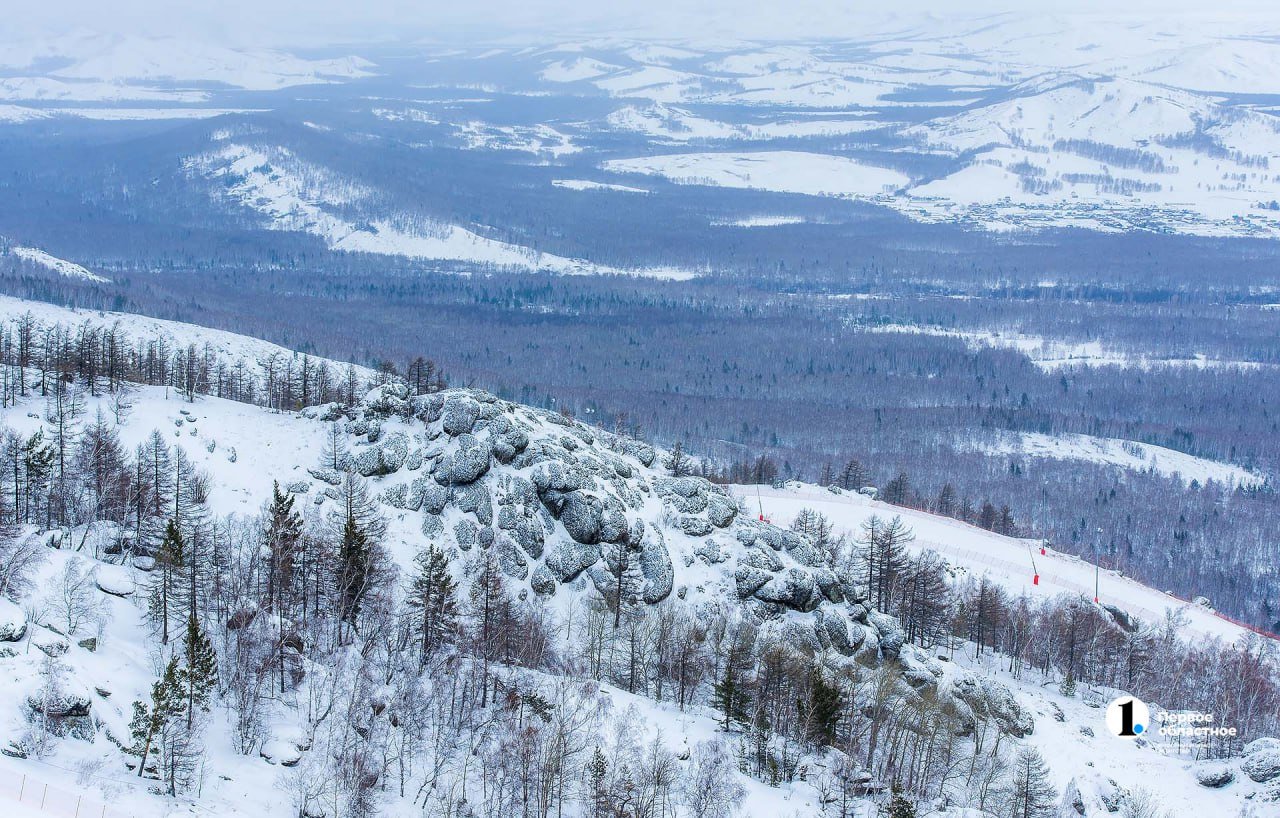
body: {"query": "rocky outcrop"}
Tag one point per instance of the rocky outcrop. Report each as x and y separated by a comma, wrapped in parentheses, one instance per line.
(1262, 765)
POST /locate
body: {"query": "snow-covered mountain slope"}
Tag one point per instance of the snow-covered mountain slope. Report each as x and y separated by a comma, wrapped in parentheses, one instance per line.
(1109, 124)
(250, 355)
(570, 513)
(60, 266)
(117, 61)
(1009, 561)
(299, 196)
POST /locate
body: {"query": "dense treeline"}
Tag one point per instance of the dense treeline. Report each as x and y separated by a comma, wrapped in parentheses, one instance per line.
(433, 680)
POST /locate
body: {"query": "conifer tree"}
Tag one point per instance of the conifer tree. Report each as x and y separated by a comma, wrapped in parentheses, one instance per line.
(1031, 794)
(823, 710)
(432, 600)
(899, 806)
(730, 695)
(199, 675)
(150, 720)
(282, 537)
(167, 586)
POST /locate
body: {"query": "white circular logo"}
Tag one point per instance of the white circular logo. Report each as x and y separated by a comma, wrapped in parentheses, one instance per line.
(1128, 718)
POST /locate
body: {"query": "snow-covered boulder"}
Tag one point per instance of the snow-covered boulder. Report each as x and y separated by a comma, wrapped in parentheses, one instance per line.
(1215, 776)
(278, 751)
(1260, 744)
(459, 414)
(656, 568)
(13, 623)
(464, 465)
(890, 633)
(793, 588)
(569, 559)
(1262, 765)
(115, 580)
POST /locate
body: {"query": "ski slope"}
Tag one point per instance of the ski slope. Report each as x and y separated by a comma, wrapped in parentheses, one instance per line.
(1006, 560)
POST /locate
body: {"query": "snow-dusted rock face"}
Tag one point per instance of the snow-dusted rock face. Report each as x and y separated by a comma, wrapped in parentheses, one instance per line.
(13, 623)
(566, 506)
(1262, 765)
(1215, 776)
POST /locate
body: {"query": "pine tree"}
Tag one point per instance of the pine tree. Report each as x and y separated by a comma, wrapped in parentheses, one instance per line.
(283, 538)
(1031, 795)
(823, 709)
(597, 781)
(678, 463)
(149, 721)
(199, 675)
(1068, 686)
(167, 585)
(432, 599)
(730, 695)
(353, 570)
(899, 806)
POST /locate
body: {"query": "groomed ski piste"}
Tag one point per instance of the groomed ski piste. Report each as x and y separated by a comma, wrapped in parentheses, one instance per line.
(1010, 562)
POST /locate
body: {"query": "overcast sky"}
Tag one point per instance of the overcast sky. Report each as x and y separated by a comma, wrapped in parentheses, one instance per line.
(263, 22)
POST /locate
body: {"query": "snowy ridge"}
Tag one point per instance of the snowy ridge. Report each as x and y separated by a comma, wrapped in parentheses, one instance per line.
(298, 196)
(232, 347)
(554, 499)
(60, 266)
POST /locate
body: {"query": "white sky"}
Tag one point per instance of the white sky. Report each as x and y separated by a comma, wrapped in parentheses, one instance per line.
(263, 22)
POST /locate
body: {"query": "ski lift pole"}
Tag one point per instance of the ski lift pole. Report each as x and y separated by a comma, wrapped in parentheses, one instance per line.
(1035, 572)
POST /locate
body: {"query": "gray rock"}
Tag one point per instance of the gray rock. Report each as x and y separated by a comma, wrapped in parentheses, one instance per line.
(721, 510)
(1260, 744)
(510, 560)
(567, 560)
(475, 499)
(1215, 776)
(459, 415)
(693, 525)
(582, 516)
(890, 633)
(750, 580)
(434, 496)
(543, 581)
(710, 552)
(828, 584)
(656, 568)
(383, 458)
(466, 534)
(432, 526)
(792, 588)
(761, 558)
(1262, 765)
(60, 706)
(465, 465)
(325, 475)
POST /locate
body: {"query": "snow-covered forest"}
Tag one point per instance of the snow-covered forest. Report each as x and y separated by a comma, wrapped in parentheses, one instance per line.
(431, 601)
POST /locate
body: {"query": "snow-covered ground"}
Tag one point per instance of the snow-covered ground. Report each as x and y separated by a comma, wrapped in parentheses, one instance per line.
(784, 171)
(1051, 354)
(60, 266)
(280, 446)
(1124, 454)
(587, 184)
(295, 195)
(1007, 561)
(232, 347)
